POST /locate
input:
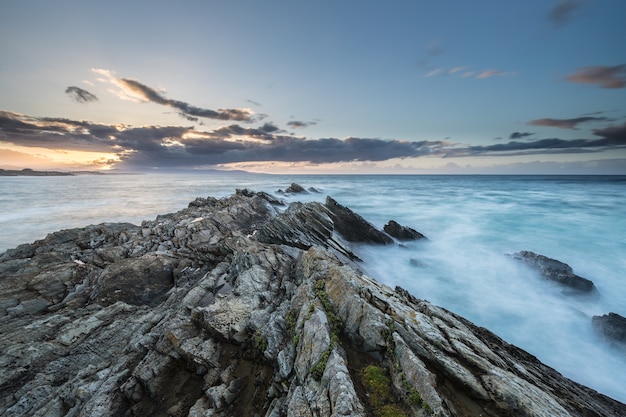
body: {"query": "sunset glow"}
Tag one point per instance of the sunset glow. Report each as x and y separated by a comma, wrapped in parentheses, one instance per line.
(417, 87)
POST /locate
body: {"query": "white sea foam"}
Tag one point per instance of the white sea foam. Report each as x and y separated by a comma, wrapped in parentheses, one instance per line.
(471, 224)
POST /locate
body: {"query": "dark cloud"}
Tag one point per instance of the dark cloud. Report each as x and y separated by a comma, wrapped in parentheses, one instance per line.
(563, 11)
(183, 146)
(270, 128)
(79, 95)
(298, 124)
(265, 132)
(614, 134)
(567, 123)
(188, 117)
(520, 135)
(186, 109)
(176, 146)
(59, 133)
(607, 77)
(610, 138)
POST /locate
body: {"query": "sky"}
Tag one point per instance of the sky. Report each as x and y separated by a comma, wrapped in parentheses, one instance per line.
(405, 87)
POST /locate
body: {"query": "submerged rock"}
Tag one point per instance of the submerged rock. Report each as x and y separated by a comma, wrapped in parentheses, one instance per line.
(556, 271)
(232, 307)
(400, 232)
(612, 326)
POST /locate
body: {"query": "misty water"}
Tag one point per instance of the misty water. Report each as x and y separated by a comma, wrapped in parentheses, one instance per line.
(472, 223)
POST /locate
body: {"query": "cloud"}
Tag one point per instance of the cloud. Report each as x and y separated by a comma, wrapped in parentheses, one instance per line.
(520, 135)
(132, 90)
(186, 109)
(456, 69)
(186, 147)
(614, 134)
(171, 146)
(567, 123)
(563, 11)
(436, 71)
(610, 138)
(79, 95)
(265, 132)
(607, 77)
(491, 73)
(298, 124)
(464, 72)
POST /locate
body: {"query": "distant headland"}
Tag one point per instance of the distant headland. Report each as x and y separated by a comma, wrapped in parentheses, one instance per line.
(27, 172)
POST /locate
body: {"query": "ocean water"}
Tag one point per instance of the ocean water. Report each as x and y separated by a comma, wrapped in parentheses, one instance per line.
(472, 223)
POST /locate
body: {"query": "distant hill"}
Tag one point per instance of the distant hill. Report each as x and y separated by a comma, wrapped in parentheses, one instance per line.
(31, 173)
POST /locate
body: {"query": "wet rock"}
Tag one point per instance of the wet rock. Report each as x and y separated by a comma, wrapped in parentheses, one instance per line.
(612, 326)
(294, 189)
(556, 271)
(234, 307)
(400, 232)
(353, 227)
(142, 280)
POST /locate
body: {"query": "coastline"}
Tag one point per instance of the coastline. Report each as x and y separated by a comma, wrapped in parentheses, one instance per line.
(209, 297)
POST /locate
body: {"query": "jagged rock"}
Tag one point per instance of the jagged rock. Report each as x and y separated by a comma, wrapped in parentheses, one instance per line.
(612, 326)
(217, 310)
(353, 227)
(400, 232)
(141, 280)
(556, 271)
(294, 189)
(303, 226)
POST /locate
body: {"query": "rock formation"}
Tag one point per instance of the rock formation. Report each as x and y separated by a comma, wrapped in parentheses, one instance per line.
(294, 188)
(556, 271)
(238, 307)
(394, 229)
(612, 326)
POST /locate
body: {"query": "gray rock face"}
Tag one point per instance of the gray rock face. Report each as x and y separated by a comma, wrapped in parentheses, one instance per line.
(556, 271)
(353, 227)
(400, 232)
(232, 307)
(611, 325)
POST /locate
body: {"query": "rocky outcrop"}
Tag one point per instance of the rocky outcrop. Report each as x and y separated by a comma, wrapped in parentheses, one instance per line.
(353, 227)
(394, 229)
(236, 307)
(556, 271)
(294, 188)
(612, 326)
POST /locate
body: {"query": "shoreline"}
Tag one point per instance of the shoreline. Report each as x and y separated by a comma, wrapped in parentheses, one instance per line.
(241, 289)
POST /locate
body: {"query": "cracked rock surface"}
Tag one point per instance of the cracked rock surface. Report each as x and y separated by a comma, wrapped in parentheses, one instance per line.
(242, 306)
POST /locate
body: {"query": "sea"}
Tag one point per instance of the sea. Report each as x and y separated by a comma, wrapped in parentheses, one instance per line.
(473, 224)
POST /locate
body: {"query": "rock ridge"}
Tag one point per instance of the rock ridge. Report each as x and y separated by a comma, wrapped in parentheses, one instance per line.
(240, 306)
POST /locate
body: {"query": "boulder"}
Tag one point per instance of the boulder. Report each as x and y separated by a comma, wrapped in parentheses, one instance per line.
(556, 271)
(400, 232)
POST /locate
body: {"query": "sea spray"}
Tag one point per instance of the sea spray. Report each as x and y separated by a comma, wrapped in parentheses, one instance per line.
(472, 223)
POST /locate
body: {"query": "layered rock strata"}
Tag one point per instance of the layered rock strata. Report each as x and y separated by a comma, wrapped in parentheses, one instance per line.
(241, 307)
